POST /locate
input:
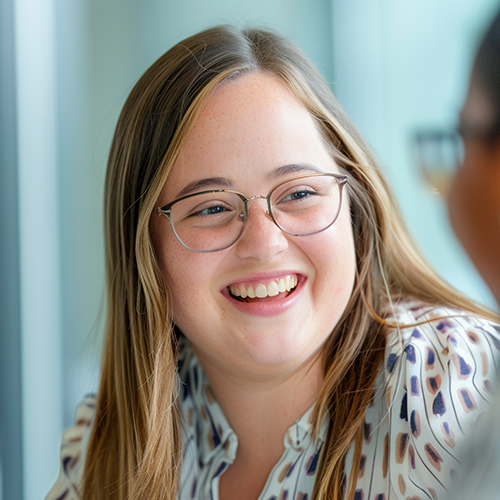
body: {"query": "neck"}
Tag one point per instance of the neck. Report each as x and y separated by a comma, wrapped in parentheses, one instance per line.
(260, 411)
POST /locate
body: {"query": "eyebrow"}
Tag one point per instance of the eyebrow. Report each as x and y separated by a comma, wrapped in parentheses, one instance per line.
(292, 169)
(223, 182)
(215, 182)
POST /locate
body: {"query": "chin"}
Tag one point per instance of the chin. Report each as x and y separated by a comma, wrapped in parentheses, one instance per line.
(281, 354)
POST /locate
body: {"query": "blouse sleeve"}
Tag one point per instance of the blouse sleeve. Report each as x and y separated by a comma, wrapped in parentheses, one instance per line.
(73, 452)
(442, 382)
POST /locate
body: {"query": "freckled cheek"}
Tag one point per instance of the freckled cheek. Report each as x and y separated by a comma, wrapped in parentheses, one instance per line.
(333, 257)
(183, 275)
(333, 283)
(189, 282)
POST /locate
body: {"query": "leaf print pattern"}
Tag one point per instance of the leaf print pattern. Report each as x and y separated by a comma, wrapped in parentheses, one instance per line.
(73, 451)
(435, 384)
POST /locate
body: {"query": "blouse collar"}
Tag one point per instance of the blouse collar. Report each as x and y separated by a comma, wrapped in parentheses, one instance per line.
(205, 421)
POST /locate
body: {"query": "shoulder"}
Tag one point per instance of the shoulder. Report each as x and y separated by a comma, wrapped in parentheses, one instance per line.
(440, 368)
(73, 452)
(429, 340)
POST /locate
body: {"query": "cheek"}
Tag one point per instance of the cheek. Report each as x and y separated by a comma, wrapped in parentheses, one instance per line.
(185, 281)
(333, 256)
(189, 277)
(175, 267)
(470, 200)
(459, 201)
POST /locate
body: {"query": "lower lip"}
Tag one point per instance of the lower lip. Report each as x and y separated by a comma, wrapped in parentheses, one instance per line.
(270, 308)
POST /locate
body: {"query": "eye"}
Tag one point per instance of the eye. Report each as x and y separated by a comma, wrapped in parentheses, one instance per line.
(297, 194)
(207, 214)
(206, 210)
(214, 209)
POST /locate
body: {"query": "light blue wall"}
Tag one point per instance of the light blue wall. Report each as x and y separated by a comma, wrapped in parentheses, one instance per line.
(10, 315)
(38, 236)
(400, 66)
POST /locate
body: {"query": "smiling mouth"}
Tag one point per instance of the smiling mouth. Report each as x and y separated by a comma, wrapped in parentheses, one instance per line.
(260, 291)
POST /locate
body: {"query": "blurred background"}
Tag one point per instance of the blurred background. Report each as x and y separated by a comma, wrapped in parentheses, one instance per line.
(66, 67)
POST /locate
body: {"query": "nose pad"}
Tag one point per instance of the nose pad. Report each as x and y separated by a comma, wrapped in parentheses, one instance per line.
(261, 238)
(241, 216)
(266, 212)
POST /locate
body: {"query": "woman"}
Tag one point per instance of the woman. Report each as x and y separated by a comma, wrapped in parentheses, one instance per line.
(271, 331)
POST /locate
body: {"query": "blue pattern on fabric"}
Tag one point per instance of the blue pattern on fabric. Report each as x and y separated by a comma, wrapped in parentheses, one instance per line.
(311, 469)
(416, 334)
(413, 422)
(467, 400)
(403, 414)
(358, 495)
(414, 428)
(430, 357)
(410, 353)
(465, 369)
(433, 383)
(438, 406)
(391, 361)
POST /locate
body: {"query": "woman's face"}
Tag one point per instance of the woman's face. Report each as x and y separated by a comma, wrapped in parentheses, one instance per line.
(251, 134)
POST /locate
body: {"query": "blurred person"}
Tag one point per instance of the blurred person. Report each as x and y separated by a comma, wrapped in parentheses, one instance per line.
(474, 197)
(272, 331)
(474, 209)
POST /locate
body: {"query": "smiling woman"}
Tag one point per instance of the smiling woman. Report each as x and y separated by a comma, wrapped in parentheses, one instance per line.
(251, 337)
(268, 128)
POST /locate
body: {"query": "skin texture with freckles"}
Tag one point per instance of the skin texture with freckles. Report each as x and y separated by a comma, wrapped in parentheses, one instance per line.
(257, 365)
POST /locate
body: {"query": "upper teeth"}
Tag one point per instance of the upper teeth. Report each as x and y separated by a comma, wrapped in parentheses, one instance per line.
(261, 290)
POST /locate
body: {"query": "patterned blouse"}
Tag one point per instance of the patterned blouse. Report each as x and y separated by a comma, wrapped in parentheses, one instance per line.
(438, 376)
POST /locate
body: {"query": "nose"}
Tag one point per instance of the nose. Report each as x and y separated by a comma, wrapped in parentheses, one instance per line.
(261, 239)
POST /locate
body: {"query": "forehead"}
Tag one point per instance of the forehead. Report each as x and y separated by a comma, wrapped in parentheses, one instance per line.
(255, 107)
(248, 126)
(257, 95)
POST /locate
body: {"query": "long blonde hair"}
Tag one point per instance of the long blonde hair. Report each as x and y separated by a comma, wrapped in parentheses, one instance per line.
(135, 447)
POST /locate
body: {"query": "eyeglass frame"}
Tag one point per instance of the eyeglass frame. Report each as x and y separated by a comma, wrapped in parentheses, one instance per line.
(165, 210)
(457, 134)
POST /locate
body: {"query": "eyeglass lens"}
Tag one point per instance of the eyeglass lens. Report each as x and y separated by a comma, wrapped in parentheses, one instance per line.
(438, 155)
(214, 221)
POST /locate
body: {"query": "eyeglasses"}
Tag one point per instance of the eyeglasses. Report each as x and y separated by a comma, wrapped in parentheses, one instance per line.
(210, 221)
(439, 153)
